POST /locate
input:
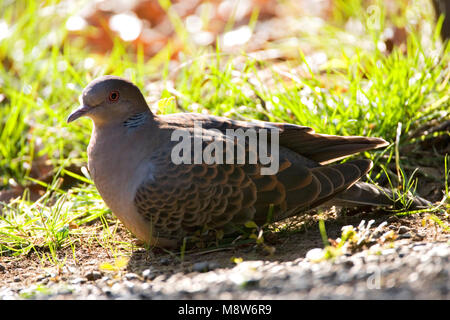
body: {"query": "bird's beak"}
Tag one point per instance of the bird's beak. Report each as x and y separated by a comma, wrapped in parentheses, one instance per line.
(81, 111)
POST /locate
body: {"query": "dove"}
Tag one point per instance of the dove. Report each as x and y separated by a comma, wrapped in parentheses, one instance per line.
(132, 159)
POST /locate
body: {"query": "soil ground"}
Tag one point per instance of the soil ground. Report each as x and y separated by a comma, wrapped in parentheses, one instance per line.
(22, 272)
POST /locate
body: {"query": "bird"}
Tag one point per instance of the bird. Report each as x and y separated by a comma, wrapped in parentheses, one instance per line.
(162, 201)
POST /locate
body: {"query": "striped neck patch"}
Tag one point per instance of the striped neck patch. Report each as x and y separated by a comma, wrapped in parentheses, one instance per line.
(136, 120)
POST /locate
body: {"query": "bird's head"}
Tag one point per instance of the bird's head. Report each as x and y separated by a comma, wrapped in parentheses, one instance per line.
(110, 100)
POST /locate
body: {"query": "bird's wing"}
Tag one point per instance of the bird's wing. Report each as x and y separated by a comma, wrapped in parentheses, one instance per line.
(321, 148)
(177, 198)
(183, 197)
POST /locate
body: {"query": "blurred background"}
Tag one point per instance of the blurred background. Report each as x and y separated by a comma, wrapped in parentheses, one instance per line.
(237, 25)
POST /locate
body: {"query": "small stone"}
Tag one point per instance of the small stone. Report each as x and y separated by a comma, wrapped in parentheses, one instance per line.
(107, 291)
(78, 280)
(128, 285)
(315, 254)
(105, 278)
(392, 219)
(131, 276)
(389, 251)
(164, 261)
(93, 275)
(348, 264)
(42, 277)
(117, 288)
(201, 266)
(403, 230)
(16, 279)
(419, 236)
(148, 274)
(405, 236)
(161, 277)
(251, 283)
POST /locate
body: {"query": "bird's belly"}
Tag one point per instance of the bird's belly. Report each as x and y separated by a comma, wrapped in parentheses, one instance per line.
(117, 176)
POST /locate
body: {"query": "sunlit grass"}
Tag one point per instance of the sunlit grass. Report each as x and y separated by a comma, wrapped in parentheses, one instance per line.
(359, 90)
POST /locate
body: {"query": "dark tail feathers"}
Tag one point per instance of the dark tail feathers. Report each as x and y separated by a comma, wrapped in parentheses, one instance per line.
(362, 193)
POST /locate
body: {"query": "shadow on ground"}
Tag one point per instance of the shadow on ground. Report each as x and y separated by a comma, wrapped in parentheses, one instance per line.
(289, 245)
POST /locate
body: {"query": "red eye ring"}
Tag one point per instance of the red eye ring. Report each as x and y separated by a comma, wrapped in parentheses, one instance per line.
(113, 96)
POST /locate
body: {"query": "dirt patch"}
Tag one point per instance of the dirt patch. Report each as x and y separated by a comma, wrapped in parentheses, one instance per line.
(300, 235)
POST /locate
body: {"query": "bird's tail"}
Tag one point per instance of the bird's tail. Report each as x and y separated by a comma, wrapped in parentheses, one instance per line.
(362, 193)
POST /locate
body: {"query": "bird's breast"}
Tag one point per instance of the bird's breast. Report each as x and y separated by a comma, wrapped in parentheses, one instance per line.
(116, 167)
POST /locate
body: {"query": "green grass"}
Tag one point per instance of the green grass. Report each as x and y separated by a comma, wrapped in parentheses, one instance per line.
(359, 91)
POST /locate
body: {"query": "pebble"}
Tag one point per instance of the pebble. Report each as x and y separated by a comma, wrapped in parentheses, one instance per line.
(131, 276)
(93, 275)
(314, 254)
(406, 235)
(403, 229)
(78, 280)
(407, 271)
(203, 266)
(42, 277)
(392, 219)
(200, 266)
(148, 274)
(348, 264)
(419, 236)
(388, 251)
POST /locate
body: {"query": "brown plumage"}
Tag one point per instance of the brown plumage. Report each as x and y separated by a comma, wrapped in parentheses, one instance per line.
(161, 202)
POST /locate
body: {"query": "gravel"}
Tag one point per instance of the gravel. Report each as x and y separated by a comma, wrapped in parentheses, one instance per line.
(406, 271)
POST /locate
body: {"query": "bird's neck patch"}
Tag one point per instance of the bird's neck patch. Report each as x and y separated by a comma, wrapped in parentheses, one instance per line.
(136, 120)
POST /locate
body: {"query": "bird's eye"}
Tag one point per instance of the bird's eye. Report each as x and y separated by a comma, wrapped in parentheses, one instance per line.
(114, 96)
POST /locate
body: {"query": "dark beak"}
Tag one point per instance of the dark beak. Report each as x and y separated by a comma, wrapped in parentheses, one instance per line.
(81, 111)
